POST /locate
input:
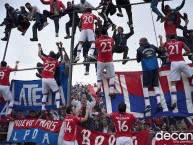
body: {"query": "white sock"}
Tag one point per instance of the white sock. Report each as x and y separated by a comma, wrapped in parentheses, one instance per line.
(112, 84)
(146, 96)
(57, 98)
(92, 49)
(79, 49)
(173, 94)
(44, 102)
(157, 93)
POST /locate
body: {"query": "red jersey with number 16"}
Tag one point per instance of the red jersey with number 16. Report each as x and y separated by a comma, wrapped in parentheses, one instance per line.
(104, 46)
(49, 67)
(87, 20)
(70, 127)
(4, 75)
(123, 123)
(174, 49)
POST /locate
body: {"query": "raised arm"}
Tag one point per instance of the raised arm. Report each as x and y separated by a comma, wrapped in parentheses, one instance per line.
(40, 51)
(131, 31)
(180, 7)
(46, 2)
(103, 110)
(86, 116)
(185, 31)
(163, 8)
(16, 65)
(161, 40)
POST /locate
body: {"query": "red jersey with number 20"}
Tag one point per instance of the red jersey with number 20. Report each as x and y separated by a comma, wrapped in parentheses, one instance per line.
(70, 127)
(4, 75)
(174, 49)
(123, 123)
(49, 67)
(87, 20)
(104, 46)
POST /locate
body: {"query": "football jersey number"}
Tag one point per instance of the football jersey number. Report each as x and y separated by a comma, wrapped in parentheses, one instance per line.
(173, 49)
(106, 46)
(67, 127)
(49, 67)
(122, 126)
(87, 19)
(2, 74)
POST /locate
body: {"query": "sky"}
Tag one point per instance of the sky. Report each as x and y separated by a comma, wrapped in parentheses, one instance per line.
(22, 49)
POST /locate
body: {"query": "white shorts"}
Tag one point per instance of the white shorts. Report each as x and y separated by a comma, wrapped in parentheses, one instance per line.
(49, 83)
(6, 93)
(177, 67)
(124, 141)
(87, 34)
(70, 142)
(101, 66)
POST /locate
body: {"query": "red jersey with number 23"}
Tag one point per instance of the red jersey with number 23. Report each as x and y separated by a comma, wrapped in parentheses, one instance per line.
(174, 49)
(4, 75)
(70, 125)
(87, 20)
(123, 123)
(104, 46)
(49, 67)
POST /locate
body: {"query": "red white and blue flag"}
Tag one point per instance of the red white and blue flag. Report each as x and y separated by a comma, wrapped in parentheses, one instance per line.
(128, 89)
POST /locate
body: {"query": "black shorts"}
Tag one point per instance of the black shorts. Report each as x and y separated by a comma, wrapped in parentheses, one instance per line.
(150, 78)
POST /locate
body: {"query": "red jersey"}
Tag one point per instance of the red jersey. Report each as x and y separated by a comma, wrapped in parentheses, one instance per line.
(104, 46)
(70, 125)
(87, 20)
(123, 123)
(169, 28)
(4, 75)
(49, 67)
(174, 49)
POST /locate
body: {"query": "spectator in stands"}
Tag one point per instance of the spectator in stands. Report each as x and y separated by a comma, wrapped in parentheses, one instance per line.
(23, 23)
(123, 134)
(83, 5)
(121, 42)
(48, 81)
(178, 65)
(173, 14)
(70, 125)
(188, 34)
(87, 27)
(125, 4)
(5, 84)
(105, 61)
(10, 20)
(107, 7)
(69, 11)
(146, 54)
(56, 6)
(34, 14)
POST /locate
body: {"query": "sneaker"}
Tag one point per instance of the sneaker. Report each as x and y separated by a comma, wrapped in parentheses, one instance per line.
(92, 57)
(119, 14)
(1, 24)
(147, 108)
(4, 39)
(34, 39)
(23, 33)
(159, 107)
(67, 36)
(57, 35)
(173, 106)
(8, 117)
(125, 61)
(77, 59)
(45, 24)
(158, 18)
(86, 73)
(114, 27)
(162, 19)
(112, 95)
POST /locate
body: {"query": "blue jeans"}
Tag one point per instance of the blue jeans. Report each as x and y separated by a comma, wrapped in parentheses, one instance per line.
(154, 4)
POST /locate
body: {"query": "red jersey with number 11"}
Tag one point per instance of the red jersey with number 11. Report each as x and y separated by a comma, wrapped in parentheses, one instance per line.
(70, 127)
(174, 49)
(104, 46)
(123, 123)
(49, 67)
